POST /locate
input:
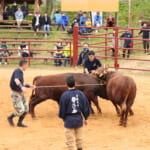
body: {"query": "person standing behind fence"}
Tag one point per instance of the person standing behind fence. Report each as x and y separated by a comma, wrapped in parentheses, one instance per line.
(145, 37)
(14, 9)
(58, 54)
(37, 22)
(58, 19)
(88, 25)
(127, 43)
(19, 17)
(83, 20)
(68, 53)
(74, 106)
(18, 88)
(97, 19)
(111, 21)
(4, 52)
(46, 23)
(65, 21)
(24, 9)
(84, 54)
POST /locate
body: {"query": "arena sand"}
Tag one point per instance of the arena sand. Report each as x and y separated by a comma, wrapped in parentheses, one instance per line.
(102, 133)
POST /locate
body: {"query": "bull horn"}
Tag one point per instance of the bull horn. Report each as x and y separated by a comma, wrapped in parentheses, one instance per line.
(104, 66)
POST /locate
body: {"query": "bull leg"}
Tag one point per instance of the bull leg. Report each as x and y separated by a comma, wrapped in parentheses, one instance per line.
(95, 101)
(32, 105)
(92, 110)
(117, 109)
(125, 117)
(121, 118)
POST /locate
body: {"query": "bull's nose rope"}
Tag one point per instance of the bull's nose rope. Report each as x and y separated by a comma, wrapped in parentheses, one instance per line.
(55, 86)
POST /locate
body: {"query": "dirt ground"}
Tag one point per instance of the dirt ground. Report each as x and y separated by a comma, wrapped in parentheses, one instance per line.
(102, 133)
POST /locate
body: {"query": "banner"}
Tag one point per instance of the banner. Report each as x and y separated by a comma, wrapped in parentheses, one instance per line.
(90, 5)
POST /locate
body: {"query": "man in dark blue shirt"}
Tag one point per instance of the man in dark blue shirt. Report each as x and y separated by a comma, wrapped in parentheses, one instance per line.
(145, 37)
(73, 105)
(92, 63)
(18, 89)
(127, 43)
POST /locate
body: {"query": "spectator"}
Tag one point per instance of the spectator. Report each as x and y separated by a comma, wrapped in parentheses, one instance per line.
(83, 28)
(97, 20)
(80, 14)
(19, 17)
(111, 22)
(14, 9)
(127, 43)
(75, 23)
(37, 21)
(68, 53)
(24, 9)
(23, 50)
(145, 37)
(4, 52)
(46, 23)
(88, 25)
(97, 25)
(58, 20)
(58, 54)
(6, 12)
(65, 21)
(83, 55)
(92, 63)
(83, 19)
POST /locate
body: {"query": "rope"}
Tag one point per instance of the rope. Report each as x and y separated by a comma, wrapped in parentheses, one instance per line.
(55, 86)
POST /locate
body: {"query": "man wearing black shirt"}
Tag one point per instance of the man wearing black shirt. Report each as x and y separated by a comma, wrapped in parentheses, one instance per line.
(145, 37)
(18, 98)
(92, 63)
(74, 106)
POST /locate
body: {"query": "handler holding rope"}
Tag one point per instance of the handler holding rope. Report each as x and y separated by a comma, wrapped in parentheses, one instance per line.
(73, 105)
(18, 89)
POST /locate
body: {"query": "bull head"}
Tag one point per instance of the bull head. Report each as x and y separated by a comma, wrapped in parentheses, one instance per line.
(100, 72)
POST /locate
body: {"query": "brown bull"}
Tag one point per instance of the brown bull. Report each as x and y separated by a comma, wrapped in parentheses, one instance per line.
(90, 87)
(121, 90)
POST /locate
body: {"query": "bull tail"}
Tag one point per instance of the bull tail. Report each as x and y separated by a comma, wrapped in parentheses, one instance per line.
(34, 83)
(124, 104)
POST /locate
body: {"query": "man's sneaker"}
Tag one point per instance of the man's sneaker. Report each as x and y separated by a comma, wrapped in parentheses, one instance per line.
(0, 63)
(5, 63)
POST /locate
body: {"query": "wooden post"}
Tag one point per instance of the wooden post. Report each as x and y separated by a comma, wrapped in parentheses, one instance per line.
(129, 15)
(36, 4)
(1, 9)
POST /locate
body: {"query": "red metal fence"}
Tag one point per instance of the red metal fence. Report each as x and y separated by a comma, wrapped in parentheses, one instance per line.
(103, 47)
(99, 41)
(35, 48)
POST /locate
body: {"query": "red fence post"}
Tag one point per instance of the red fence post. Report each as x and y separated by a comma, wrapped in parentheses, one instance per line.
(132, 32)
(106, 44)
(75, 45)
(29, 57)
(116, 65)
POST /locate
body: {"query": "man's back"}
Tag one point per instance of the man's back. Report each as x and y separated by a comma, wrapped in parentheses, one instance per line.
(73, 103)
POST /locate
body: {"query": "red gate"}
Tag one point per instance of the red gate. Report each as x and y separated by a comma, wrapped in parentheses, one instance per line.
(102, 47)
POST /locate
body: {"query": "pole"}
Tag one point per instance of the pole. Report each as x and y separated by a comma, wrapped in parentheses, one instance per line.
(129, 15)
(75, 45)
(116, 65)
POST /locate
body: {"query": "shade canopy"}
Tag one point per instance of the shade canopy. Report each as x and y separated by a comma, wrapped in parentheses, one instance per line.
(90, 5)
